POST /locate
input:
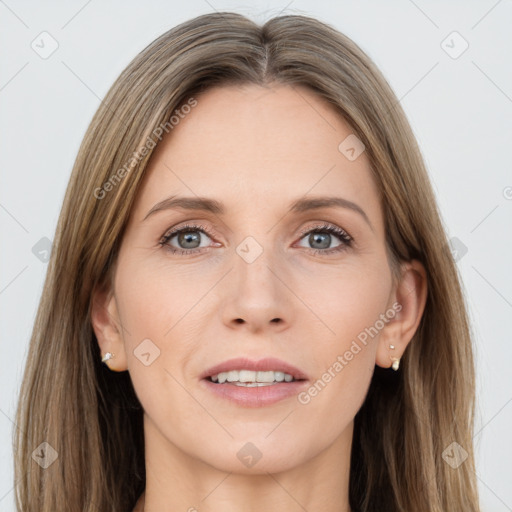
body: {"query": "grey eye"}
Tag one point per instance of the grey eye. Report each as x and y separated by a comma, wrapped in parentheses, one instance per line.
(321, 240)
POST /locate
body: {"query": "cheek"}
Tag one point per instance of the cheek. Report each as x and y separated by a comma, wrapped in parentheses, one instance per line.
(153, 299)
(150, 306)
(346, 298)
(154, 307)
(351, 311)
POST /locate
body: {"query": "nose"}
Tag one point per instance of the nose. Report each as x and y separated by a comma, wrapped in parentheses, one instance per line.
(256, 297)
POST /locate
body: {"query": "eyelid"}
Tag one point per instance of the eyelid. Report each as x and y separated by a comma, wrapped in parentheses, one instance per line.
(325, 226)
(188, 225)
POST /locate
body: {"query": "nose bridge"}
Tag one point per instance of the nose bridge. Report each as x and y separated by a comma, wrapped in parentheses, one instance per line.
(256, 265)
(258, 295)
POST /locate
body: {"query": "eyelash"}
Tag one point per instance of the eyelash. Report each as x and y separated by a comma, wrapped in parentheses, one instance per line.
(344, 237)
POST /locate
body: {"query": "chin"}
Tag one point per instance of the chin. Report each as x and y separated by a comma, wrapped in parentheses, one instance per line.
(268, 463)
(256, 455)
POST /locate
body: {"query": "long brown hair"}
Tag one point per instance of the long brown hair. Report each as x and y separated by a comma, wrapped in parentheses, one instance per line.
(91, 417)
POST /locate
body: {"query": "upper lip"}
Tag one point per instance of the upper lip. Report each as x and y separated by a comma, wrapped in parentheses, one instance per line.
(266, 364)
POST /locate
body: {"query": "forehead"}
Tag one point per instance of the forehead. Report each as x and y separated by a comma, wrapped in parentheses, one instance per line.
(262, 146)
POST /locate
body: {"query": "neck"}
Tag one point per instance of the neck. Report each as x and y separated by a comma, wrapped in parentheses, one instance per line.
(178, 481)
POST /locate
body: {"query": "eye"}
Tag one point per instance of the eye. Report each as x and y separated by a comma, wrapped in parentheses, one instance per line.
(188, 239)
(321, 237)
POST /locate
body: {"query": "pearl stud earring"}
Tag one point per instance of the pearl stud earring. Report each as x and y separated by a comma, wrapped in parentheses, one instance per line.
(106, 357)
(396, 361)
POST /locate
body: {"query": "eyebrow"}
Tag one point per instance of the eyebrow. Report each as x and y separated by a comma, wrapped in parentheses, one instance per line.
(299, 206)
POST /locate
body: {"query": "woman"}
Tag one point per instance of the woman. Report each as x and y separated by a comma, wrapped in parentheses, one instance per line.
(250, 304)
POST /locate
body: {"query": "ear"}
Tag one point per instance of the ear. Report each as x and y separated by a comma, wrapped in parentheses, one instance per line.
(408, 301)
(107, 327)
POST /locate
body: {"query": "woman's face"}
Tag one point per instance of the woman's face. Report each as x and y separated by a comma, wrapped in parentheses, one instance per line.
(247, 278)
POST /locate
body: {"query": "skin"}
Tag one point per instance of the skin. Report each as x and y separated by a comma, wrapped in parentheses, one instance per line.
(256, 150)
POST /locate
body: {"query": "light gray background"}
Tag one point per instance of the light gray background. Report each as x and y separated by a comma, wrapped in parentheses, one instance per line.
(460, 110)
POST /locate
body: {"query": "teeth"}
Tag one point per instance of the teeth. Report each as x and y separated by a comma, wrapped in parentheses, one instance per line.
(246, 376)
(279, 376)
(252, 378)
(254, 384)
(262, 377)
(232, 376)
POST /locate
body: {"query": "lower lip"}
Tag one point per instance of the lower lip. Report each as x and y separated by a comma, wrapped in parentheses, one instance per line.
(259, 396)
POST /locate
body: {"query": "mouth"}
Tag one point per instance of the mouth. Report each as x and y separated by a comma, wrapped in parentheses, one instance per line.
(251, 379)
(254, 383)
(243, 370)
